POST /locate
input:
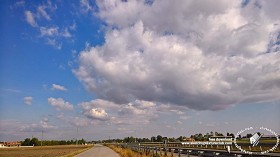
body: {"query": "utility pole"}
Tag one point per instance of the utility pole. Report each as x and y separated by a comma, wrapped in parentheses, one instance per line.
(42, 138)
(77, 138)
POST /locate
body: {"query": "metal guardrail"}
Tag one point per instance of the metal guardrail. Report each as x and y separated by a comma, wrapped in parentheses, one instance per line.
(176, 148)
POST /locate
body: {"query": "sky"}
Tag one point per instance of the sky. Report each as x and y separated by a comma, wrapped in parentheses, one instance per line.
(137, 68)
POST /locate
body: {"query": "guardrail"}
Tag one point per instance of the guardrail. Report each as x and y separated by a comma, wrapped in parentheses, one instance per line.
(177, 149)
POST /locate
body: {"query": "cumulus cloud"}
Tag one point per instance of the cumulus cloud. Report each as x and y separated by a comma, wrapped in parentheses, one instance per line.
(97, 113)
(28, 100)
(58, 87)
(185, 53)
(136, 112)
(30, 19)
(60, 104)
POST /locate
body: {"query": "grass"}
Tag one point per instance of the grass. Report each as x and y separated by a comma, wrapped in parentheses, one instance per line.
(45, 151)
(126, 152)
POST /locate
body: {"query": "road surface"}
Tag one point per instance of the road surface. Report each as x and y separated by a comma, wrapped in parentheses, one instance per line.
(99, 151)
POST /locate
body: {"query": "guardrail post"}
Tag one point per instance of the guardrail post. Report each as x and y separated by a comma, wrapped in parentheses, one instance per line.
(188, 153)
(156, 150)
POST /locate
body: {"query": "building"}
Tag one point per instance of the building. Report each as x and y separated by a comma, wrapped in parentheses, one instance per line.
(10, 144)
(2, 144)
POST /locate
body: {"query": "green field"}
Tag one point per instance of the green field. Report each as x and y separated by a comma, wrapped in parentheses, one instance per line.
(45, 151)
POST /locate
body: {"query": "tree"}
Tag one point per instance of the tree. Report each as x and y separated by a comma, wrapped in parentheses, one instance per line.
(159, 138)
(180, 138)
(249, 135)
(153, 139)
(171, 139)
(129, 139)
(31, 142)
(200, 137)
(34, 142)
(232, 135)
(82, 141)
(26, 142)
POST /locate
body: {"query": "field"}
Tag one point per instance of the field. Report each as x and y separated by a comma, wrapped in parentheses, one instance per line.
(45, 151)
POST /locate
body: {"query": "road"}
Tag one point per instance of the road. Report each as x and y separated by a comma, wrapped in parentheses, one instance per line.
(99, 151)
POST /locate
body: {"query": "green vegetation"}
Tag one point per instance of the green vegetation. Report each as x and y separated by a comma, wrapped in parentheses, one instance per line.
(159, 138)
(30, 142)
(35, 142)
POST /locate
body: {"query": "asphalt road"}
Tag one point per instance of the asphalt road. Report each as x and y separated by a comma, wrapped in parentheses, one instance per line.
(99, 151)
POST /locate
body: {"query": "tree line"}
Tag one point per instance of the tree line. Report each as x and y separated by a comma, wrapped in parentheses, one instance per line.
(35, 142)
(159, 138)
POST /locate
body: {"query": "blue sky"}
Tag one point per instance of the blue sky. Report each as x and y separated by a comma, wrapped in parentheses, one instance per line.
(137, 68)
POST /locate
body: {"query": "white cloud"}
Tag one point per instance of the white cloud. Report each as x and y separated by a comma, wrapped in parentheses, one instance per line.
(28, 100)
(134, 113)
(43, 125)
(54, 35)
(73, 26)
(97, 113)
(42, 12)
(179, 122)
(185, 117)
(58, 87)
(60, 104)
(12, 90)
(53, 42)
(74, 121)
(19, 4)
(45, 9)
(85, 6)
(184, 53)
(66, 33)
(30, 18)
(51, 31)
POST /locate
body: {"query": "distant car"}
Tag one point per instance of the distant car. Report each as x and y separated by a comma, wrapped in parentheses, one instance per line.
(194, 152)
(184, 151)
(224, 154)
(206, 153)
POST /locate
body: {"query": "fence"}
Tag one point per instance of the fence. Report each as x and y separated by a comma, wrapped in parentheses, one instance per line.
(177, 149)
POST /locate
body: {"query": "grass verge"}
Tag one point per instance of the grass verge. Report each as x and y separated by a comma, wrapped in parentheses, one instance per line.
(126, 152)
(45, 151)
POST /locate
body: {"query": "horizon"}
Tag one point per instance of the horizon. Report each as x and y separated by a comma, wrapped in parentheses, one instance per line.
(137, 68)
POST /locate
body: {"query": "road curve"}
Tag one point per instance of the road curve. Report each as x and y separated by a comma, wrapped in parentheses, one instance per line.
(98, 151)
